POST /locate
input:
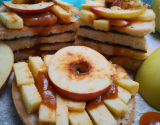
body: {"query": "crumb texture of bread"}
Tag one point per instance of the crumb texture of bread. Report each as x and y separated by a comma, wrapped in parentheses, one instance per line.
(114, 38)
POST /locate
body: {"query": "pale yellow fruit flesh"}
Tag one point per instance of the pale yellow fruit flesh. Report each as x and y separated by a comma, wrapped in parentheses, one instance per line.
(6, 62)
(148, 77)
(11, 20)
(103, 25)
(147, 15)
(88, 16)
(61, 13)
(108, 13)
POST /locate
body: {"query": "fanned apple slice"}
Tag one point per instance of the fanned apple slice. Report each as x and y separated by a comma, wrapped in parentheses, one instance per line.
(109, 13)
(28, 8)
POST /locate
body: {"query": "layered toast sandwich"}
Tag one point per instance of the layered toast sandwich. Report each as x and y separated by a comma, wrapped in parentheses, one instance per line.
(116, 28)
(39, 28)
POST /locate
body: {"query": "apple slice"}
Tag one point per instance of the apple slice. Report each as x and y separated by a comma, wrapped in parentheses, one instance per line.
(128, 84)
(102, 24)
(28, 8)
(6, 63)
(147, 15)
(11, 20)
(61, 13)
(80, 73)
(88, 16)
(79, 118)
(109, 13)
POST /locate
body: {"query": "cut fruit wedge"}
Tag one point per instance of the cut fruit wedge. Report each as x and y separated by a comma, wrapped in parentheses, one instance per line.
(147, 15)
(108, 13)
(88, 16)
(6, 63)
(29, 8)
(128, 84)
(61, 13)
(11, 20)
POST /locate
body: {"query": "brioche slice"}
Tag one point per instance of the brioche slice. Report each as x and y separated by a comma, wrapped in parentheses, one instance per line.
(111, 50)
(114, 38)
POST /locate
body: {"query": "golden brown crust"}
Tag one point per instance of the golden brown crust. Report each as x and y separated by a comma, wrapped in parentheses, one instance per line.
(32, 119)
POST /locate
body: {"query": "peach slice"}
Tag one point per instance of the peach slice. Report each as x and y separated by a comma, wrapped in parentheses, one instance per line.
(29, 8)
(80, 73)
(6, 63)
(109, 13)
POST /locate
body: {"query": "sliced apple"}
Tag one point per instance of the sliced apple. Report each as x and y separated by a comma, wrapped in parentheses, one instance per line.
(116, 106)
(11, 20)
(101, 115)
(31, 97)
(63, 5)
(75, 106)
(124, 94)
(102, 24)
(6, 63)
(75, 10)
(61, 111)
(147, 15)
(28, 8)
(23, 74)
(69, 71)
(61, 13)
(128, 84)
(46, 115)
(79, 118)
(88, 16)
(47, 59)
(108, 13)
(36, 65)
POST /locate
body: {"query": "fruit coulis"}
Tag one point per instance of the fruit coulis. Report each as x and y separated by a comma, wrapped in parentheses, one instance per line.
(46, 90)
(111, 93)
(150, 118)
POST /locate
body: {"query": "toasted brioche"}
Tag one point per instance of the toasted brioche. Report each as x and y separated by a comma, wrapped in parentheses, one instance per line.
(134, 28)
(6, 33)
(55, 46)
(32, 119)
(110, 49)
(114, 38)
(129, 63)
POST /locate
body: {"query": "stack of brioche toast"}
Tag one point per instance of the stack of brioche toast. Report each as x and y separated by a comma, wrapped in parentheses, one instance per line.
(115, 30)
(122, 43)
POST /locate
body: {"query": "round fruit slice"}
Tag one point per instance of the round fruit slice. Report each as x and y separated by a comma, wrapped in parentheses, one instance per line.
(109, 13)
(29, 8)
(80, 73)
(6, 62)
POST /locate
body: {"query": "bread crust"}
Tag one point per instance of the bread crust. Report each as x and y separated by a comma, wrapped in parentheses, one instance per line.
(32, 119)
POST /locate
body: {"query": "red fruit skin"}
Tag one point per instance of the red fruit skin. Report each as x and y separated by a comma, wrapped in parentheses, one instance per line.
(79, 97)
(28, 11)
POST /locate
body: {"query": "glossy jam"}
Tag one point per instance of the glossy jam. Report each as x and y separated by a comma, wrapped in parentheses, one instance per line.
(111, 93)
(45, 89)
(150, 118)
(46, 18)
